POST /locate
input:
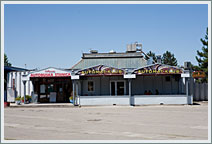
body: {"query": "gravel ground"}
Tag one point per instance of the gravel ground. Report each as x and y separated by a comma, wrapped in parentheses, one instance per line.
(160, 122)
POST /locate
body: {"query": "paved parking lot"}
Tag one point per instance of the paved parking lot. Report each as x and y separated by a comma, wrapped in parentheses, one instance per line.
(161, 122)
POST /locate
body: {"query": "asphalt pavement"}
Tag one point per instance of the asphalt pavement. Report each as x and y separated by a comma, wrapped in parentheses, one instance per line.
(159, 122)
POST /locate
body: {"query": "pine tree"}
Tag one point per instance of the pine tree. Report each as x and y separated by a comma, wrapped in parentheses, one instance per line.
(202, 57)
(6, 61)
(169, 59)
(151, 54)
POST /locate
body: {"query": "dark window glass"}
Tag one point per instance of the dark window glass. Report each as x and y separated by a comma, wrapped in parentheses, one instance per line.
(112, 88)
(167, 78)
(120, 88)
(90, 86)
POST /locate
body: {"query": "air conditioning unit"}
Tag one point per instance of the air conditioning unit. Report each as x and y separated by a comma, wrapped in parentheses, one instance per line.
(133, 47)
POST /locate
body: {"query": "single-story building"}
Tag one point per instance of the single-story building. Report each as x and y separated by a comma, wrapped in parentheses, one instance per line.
(113, 78)
(13, 86)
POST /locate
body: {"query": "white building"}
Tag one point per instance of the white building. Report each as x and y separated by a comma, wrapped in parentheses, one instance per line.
(15, 85)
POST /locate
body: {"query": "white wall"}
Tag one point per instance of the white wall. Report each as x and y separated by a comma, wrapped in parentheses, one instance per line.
(156, 99)
(104, 100)
(19, 86)
(136, 100)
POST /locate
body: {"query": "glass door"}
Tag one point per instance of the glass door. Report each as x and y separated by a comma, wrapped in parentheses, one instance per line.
(117, 88)
(120, 88)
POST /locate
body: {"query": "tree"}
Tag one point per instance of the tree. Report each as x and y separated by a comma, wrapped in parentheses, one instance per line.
(202, 57)
(6, 61)
(151, 54)
(169, 59)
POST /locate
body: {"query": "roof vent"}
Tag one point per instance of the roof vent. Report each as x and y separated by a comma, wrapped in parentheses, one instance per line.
(112, 51)
(93, 51)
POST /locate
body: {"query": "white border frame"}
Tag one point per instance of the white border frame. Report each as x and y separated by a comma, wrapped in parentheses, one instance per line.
(106, 2)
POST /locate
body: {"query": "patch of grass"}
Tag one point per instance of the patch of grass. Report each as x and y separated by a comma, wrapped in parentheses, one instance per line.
(9, 139)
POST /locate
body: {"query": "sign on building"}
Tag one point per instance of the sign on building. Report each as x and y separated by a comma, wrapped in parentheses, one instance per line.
(51, 72)
(198, 74)
(100, 70)
(158, 69)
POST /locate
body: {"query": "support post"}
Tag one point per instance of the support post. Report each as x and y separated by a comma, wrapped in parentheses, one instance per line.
(73, 92)
(130, 77)
(187, 91)
(77, 93)
(24, 91)
(186, 80)
(74, 78)
(130, 100)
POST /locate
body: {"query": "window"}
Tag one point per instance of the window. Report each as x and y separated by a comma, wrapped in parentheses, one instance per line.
(90, 86)
(167, 78)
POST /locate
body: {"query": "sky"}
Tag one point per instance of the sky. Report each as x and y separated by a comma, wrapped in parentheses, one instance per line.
(42, 36)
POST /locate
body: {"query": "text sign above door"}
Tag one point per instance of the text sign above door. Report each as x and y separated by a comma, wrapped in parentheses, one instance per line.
(100, 70)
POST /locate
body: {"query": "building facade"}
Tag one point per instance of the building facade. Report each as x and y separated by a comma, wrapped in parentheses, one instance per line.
(15, 86)
(112, 79)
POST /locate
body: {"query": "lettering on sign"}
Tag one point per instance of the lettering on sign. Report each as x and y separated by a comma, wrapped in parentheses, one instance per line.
(158, 69)
(198, 74)
(50, 71)
(101, 70)
(51, 75)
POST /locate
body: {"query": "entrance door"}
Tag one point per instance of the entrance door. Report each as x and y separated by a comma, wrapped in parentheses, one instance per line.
(120, 88)
(117, 88)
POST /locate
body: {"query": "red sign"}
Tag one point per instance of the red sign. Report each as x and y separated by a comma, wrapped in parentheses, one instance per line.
(198, 74)
(51, 75)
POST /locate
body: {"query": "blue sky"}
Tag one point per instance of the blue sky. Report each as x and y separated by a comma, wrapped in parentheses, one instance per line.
(56, 35)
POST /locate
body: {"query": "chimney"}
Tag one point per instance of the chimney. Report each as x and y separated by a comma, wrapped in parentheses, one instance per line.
(187, 65)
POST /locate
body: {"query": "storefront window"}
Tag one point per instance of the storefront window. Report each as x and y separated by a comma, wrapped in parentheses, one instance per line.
(90, 86)
(42, 88)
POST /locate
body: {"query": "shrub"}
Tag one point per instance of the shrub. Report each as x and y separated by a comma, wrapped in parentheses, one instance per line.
(18, 98)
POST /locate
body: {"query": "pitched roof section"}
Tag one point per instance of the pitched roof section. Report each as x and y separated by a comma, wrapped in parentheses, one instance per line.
(10, 68)
(116, 60)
